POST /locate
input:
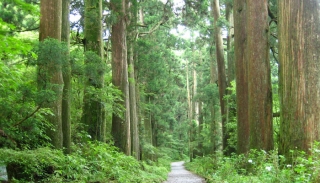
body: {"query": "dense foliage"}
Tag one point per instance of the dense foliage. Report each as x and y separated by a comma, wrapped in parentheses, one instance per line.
(91, 162)
(259, 166)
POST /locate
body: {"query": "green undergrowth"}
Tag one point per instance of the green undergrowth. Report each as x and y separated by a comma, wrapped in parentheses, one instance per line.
(259, 167)
(92, 162)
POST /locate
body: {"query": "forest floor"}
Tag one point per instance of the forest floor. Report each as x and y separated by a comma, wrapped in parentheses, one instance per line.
(179, 174)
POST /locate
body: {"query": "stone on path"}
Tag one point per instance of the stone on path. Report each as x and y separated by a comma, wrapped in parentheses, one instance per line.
(179, 174)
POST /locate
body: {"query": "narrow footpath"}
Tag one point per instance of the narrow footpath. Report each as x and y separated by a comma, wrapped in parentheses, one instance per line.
(179, 174)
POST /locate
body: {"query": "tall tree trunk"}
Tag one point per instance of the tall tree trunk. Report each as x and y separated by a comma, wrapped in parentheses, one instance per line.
(299, 43)
(93, 110)
(189, 113)
(230, 54)
(195, 103)
(147, 125)
(195, 111)
(120, 125)
(230, 59)
(134, 122)
(66, 103)
(259, 78)
(50, 26)
(254, 99)
(215, 125)
(133, 105)
(200, 128)
(222, 82)
(200, 117)
(231, 110)
(241, 65)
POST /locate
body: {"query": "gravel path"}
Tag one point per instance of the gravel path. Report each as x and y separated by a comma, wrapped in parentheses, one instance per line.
(179, 174)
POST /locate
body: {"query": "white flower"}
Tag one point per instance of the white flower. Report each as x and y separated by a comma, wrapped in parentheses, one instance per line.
(250, 161)
(268, 168)
(289, 166)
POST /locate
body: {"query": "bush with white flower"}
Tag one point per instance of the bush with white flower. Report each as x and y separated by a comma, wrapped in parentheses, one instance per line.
(261, 166)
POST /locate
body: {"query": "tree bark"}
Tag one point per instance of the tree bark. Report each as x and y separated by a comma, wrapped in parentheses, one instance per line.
(241, 65)
(230, 54)
(299, 43)
(50, 26)
(120, 126)
(215, 125)
(133, 105)
(134, 122)
(222, 82)
(231, 110)
(200, 129)
(66, 103)
(259, 78)
(190, 134)
(254, 95)
(93, 109)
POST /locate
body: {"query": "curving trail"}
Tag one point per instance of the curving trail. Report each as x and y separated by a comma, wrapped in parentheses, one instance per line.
(179, 174)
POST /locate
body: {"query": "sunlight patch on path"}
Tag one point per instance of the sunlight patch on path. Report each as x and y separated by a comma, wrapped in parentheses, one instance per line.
(179, 174)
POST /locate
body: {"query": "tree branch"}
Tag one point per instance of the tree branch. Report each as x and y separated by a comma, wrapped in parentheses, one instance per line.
(3, 134)
(163, 20)
(154, 28)
(28, 116)
(25, 30)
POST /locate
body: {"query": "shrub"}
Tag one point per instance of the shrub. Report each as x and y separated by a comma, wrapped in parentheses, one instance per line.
(90, 162)
(260, 166)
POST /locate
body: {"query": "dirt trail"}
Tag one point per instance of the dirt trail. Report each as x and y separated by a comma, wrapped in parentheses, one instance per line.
(179, 174)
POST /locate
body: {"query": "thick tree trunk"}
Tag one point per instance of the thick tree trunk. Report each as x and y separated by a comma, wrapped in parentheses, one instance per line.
(66, 103)
(241, 65)
(222, 82)
(254, 95)
(120, 125)
(259, 85)
(50, 26)
(299, 43)
(93, 110)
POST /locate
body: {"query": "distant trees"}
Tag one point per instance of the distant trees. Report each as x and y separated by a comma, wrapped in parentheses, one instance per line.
(299, 43)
